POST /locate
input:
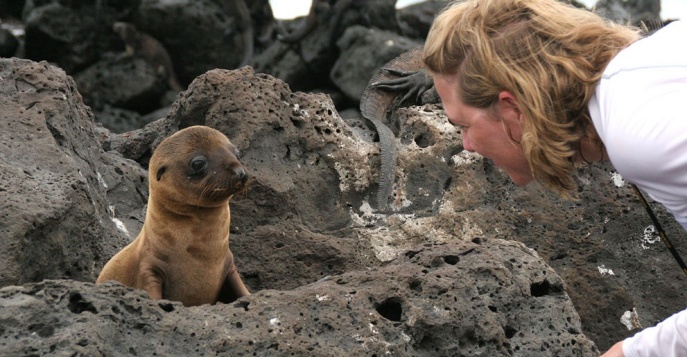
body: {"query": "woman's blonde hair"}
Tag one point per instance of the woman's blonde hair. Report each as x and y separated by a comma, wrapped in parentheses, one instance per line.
(548, 54)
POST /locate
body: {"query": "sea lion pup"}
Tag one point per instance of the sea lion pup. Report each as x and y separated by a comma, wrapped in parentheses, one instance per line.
(182, 252)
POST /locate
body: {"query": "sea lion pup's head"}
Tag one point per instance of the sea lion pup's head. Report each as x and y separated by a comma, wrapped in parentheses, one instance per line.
(196, 166)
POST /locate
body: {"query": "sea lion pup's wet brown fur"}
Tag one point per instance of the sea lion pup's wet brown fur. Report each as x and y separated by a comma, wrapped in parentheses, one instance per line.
(182, 252)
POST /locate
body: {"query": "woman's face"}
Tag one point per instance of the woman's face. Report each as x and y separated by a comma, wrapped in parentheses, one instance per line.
(494, 137)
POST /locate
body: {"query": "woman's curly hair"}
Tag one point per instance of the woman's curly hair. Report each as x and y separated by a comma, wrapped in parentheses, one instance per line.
(548, 54)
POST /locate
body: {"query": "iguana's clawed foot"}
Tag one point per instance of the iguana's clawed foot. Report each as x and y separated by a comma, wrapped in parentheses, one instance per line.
(412, 83)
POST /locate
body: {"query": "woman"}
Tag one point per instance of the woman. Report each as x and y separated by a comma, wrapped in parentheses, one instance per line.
(539, 87)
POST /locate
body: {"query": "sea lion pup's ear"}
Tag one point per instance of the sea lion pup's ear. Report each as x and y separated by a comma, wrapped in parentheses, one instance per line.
(160, 172)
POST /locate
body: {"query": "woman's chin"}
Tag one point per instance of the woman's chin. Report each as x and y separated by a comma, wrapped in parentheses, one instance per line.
(520, 180)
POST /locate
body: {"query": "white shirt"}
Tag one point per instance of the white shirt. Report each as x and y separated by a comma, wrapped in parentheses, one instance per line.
(639, 110)
(667, 339)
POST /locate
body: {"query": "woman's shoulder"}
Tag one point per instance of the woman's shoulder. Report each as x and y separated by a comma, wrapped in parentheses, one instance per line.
(664, 48)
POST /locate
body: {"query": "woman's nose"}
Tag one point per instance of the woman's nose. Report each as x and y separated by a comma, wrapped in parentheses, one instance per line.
(467, 144)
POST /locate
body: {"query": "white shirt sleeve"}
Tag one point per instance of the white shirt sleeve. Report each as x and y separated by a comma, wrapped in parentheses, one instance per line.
(667, 339)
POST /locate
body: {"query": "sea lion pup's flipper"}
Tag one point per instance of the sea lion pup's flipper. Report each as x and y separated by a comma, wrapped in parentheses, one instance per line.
(232, 287)
(127, 268)
(122, 267)
(153, 282)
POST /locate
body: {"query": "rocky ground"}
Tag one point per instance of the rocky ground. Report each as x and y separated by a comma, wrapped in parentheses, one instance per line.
(465, 263)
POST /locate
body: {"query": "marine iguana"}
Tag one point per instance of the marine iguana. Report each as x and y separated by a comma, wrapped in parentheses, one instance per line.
(403, 74)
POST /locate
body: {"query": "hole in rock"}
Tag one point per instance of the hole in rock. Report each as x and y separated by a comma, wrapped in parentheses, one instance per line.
(544, 288)
(168, 307)
(452, 259)
(422, 140)
(390, 309)
(411, 253)
(243, 304)
(78, 305)
(509, 331)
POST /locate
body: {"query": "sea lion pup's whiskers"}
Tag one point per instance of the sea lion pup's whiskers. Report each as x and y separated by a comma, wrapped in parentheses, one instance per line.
(187, 222)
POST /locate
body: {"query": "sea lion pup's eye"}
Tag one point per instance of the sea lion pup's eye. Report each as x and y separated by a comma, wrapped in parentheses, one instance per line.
(198, 164)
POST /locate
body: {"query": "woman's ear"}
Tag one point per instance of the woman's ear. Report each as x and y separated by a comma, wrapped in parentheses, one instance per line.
(511, 114)
(509, 108)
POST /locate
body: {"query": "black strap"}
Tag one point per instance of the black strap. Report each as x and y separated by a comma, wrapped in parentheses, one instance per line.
(660, 230)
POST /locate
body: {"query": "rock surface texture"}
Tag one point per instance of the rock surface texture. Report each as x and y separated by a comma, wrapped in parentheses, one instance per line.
(56, 220)
(449, 270)
(492, 297)
(305, 226)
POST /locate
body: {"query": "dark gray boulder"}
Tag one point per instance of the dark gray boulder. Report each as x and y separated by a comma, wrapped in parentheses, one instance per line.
(307, 214)
(72, 34)
(492, 297)
(55, 219)
(314, 176)
(8, 43)
(636, 12)
(199, 35)
(363, 52)
(124, 82)
(415, 20)
(307, 62)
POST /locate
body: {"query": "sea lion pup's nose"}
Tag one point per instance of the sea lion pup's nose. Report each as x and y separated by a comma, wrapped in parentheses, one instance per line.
(241, 173)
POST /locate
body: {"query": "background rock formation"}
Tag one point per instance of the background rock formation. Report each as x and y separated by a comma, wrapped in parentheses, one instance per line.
(71, 190)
